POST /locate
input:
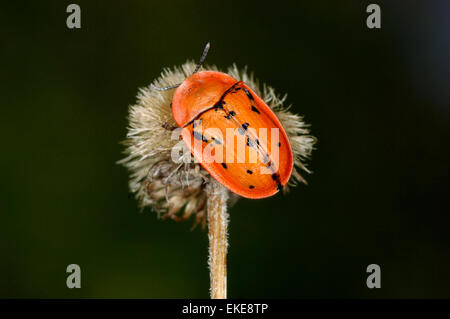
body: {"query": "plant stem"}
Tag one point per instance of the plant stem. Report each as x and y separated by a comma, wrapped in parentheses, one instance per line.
(217, 235)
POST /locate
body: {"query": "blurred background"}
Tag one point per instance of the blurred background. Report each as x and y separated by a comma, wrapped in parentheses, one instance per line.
(378, 101)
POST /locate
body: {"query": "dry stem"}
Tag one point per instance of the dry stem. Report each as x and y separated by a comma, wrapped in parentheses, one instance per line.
(217, 234)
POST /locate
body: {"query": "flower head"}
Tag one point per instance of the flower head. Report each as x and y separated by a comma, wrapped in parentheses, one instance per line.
(176, 189)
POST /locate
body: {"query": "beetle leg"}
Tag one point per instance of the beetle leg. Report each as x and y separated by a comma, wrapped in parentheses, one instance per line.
(168, 126)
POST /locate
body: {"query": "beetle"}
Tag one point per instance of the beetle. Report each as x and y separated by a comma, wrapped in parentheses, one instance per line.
(211, 101)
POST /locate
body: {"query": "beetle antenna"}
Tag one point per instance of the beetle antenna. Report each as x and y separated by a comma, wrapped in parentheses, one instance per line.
(200, 62)
(202, 58)
(165, 88)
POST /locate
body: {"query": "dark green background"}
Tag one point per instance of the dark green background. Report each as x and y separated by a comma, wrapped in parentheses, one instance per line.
(378, 101)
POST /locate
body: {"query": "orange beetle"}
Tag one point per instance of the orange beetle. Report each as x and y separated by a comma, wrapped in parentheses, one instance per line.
(256, 160)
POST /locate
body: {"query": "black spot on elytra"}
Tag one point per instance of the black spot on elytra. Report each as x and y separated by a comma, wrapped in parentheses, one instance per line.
(251, 187)
(276, 178)
(279, 144)
(224, 165)
(249, 95)
(200, 136)
(249, 172)
(254, 109)
(230, 115)
(243, 128)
